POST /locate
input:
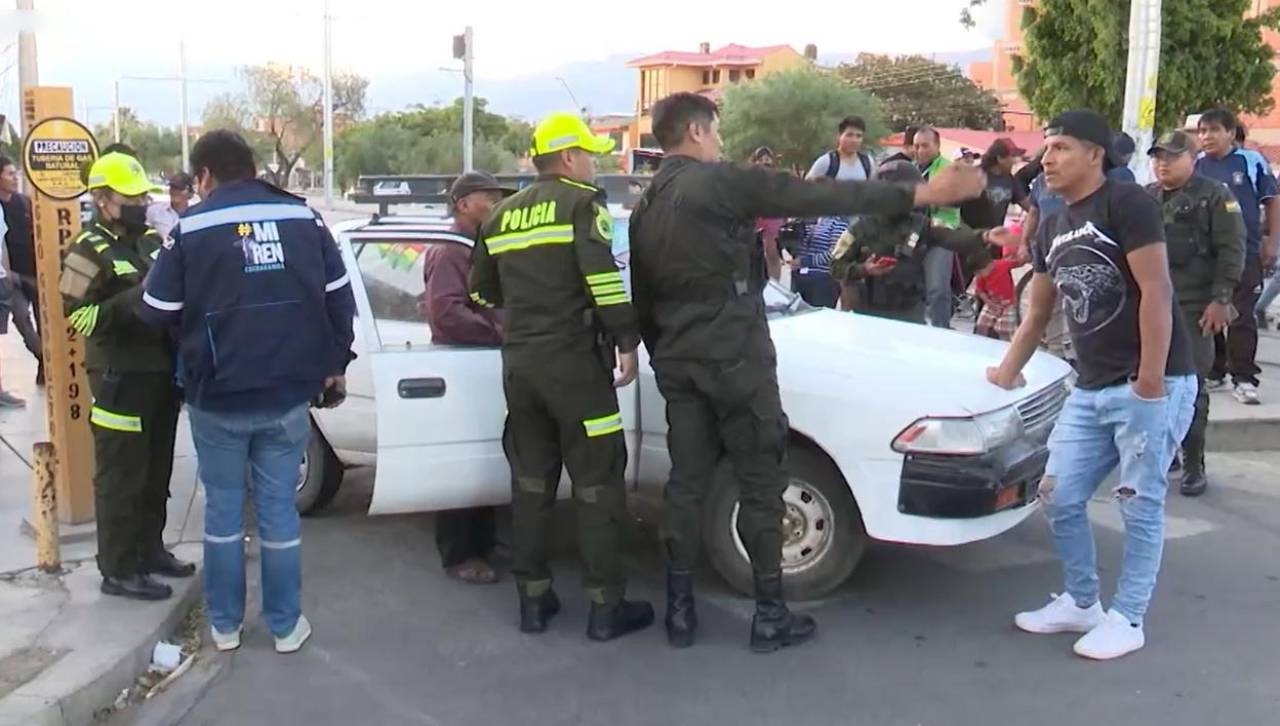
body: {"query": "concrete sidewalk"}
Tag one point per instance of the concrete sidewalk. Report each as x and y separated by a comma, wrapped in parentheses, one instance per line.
(66, 650)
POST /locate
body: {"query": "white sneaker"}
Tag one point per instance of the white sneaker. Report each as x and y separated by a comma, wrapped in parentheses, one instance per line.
(1215, 384)
(1061, 615)
(1247, 393)
(1114, 637)
(293, 641)
(226, 641)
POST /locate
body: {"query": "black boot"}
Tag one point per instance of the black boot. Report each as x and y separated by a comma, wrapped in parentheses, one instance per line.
(536, 612)
(1194, 483)
(616, 620)
(774, 626)
(136, 587)
(168, 565)
(682, 619)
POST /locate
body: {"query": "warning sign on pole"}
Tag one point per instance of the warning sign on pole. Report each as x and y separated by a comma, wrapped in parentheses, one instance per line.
(53, 153)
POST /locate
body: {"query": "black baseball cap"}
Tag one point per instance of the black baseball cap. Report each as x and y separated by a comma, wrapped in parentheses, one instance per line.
(476, 181)
(1088, 126)
(1174, 142)
(182, 180)
(1124, 144)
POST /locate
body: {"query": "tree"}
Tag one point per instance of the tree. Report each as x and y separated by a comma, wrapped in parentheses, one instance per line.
(795, 113)
(1210, 55)
(159, 148)
(282, 106)
(914, 89)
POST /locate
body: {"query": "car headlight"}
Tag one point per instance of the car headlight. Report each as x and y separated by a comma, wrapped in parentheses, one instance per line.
(968, 435)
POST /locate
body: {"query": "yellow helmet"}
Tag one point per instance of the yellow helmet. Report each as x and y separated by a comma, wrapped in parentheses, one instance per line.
(561, 131)
(120, 173)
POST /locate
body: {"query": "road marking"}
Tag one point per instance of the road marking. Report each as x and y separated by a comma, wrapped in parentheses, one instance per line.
(1107, 514)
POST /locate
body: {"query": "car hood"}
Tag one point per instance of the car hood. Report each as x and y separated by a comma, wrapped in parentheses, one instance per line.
(943, 370)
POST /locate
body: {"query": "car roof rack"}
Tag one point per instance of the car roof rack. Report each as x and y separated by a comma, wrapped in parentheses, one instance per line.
(388, 190)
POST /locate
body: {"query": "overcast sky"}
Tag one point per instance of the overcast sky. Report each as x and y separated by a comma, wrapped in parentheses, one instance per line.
(87, 43)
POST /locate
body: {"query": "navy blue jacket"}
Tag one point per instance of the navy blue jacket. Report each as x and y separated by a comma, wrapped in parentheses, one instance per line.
(261, 297)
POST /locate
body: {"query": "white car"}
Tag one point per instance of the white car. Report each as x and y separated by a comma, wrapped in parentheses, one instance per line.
(895, 434)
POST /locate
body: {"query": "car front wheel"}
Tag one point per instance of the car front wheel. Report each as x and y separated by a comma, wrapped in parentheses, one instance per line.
(823, 534)
(319, 476)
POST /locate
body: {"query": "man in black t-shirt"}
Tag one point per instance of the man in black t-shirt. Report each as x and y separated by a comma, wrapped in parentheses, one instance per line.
(1104, 253)
(990, 209)
(20, 243)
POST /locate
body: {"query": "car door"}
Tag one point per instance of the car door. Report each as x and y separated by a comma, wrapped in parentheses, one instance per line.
(440, 409)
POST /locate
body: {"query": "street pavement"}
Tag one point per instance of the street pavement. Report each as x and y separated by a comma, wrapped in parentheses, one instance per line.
(918, 637)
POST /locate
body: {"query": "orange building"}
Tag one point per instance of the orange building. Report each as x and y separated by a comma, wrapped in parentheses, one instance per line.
(706, 72)
(997, 75)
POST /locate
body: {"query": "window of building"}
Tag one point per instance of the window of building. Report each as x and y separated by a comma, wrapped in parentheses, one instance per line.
(735, 75)
(706, 78)
(751, 73)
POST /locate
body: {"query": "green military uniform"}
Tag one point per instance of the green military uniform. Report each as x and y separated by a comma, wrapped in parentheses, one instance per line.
(545, 256)
(1205, 235)
(135, 409)
(900, 294)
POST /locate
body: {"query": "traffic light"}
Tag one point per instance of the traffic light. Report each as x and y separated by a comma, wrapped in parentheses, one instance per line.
(460, 46)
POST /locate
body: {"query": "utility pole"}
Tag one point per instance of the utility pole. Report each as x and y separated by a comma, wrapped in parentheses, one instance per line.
(1140, 81)
(462, 50)
(328, 106)
(182, 105)
(28, 73)
(115, 111)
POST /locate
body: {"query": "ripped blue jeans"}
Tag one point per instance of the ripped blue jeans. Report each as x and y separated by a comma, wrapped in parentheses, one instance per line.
(1098, 430)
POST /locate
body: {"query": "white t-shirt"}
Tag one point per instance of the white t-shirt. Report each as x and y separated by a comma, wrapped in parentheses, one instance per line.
(851, 170)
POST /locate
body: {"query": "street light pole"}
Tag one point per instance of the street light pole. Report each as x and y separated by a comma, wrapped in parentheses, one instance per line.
(115, 112)
(1140, 82)
(328, 107)
(182, 105)
(468, 106)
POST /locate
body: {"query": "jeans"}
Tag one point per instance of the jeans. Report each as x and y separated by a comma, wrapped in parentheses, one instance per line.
(1097, 431)
(939, 263)
(268, 447)
(1269, 293)
(818, 289)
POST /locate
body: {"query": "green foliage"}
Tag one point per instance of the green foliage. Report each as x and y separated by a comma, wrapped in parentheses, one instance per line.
(280, 110)
(795, 113)
(914, 89)
(159, 147)
(428, 140)
(1210, 55)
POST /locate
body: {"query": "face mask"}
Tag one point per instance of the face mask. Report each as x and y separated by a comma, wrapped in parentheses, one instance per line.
(133, 218)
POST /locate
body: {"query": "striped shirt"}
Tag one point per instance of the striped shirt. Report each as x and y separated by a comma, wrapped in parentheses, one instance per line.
(820, 243)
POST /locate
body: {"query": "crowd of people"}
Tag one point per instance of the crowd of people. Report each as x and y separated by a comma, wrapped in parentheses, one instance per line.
(240, 307)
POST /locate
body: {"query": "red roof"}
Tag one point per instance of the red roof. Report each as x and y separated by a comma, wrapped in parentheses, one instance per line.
(730, 55)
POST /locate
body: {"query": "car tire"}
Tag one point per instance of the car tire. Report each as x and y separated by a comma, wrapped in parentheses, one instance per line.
(827, 537)
(320, 475)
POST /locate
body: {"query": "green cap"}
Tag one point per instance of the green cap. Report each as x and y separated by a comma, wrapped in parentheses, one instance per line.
(1173, 142)
(561, 131)
(121, 173)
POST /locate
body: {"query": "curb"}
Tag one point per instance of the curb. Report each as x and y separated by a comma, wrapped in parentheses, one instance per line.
(73, 690)
(1232, 435)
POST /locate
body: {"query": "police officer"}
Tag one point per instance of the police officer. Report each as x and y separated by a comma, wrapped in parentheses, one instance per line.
(545, 256)
(883, 257)
(698, 275)
(1206, 236)
(135, 400)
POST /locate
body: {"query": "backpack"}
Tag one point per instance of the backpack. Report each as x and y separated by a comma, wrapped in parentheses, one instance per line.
(833, 164)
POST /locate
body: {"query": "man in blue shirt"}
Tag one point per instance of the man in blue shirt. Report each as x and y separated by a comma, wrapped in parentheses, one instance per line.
(1249, 178)
(257, 288)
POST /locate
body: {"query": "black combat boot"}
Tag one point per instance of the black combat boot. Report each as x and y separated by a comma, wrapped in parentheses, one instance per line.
(136, 587)
(682, 619)
(617, 619)
(536, 611)
(774, 626)
(1194, 482)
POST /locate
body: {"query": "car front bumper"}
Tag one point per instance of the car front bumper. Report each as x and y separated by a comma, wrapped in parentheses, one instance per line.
(964, 487)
